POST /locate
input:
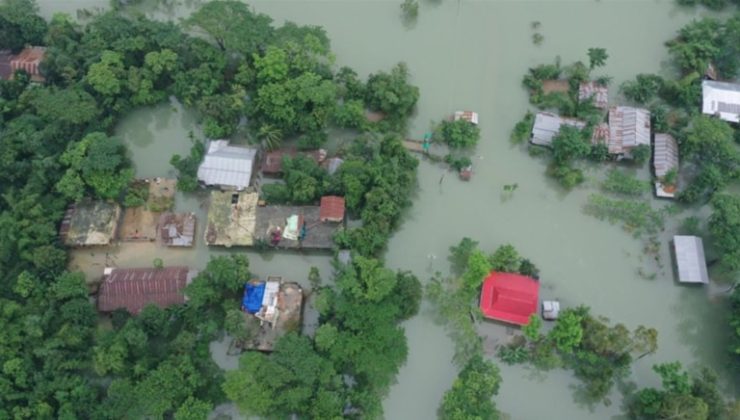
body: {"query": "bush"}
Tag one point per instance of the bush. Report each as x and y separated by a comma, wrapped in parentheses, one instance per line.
(522, 129)
(136, 195)
(312, 141)
(188, 167)
(458, 162)
(641, 154)
(599, 153)
(275, 193)
(458, 134)
(566, 175)
(636, 216)
(622, 183)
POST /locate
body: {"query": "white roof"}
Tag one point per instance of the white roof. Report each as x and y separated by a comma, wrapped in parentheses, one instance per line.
(469, 116)
(721, 99)
(547, 125)
(228, 166)
(692, 266)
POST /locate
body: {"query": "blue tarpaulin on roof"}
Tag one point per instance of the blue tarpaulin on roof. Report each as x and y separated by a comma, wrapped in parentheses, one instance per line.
(253, 293)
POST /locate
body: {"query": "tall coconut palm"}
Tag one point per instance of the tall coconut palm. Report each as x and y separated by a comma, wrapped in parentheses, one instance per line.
(270, 136)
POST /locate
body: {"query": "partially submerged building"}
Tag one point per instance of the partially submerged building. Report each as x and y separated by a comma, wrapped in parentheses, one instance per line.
(141, 223)
(331, 209)
(294, 227)
(690, 260)
(665, 159)
(177, 229)
(90, 223)
(592, 89)
(509, 297)
(628, 128)
(134, 288)
(469, 116)
(29, 60)
(232, 218)
(227, 167)
(273, 308)
(272, 163)
(547, 125)
(721, 99)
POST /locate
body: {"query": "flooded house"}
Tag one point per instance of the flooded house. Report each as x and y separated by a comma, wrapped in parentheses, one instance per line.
(331, 209)
(227, 167)
(469, 116)
(509, 297)
(298, 227)
(28, 59)
(547, 125)
(90, 223)
(721, 99)
(690, 260)
(177, 229)
(628, 128)
(134, 288)
(665, 159)
(140, 223)
(596, 91)
(232, 218)
(272, 163)
(271, 309)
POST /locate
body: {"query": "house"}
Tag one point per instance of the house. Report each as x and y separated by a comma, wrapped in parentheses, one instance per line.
(134, 288)
(331, 209)
(599, 93)
(227, 167)
(5, 71)
(721, 99)
(272, 163)
(692, 265)
(333, 164)
(469, 116)
(547, 125)
(294, 227)
(628, 128)
(29, 59)
(665, 158)
(177, 229)
(274, 308)
(232, 218)
(600, 134)
(509, 297)
(90, 223)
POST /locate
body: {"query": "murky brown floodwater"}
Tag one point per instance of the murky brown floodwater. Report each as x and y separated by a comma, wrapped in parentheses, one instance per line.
(471, 55)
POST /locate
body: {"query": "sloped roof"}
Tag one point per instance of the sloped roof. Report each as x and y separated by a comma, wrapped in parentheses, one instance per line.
(227, 166)
(600, 93)
(29, 60)
(331, 209)
(692, 265)
(665, 157)
(134, 288)
(628, 127)
(547, 125)
(469, 116)
(721, 99)
(509, 297)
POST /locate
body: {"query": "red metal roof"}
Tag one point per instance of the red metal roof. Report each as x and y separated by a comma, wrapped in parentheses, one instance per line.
(134, 288)
(332, 209)
(509, 297)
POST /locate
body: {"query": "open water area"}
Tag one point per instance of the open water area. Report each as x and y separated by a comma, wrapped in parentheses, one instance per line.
(471, 55)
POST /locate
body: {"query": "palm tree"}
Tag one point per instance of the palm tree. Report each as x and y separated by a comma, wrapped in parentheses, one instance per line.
(270, 136)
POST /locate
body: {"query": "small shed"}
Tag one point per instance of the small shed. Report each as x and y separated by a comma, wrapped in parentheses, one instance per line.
(29, 60)
(509, 297)
(333, 165)
(721, 99)
(227, 167)
(592, 89)
(547, 125)
(331, 209)
(469, 116)
(665, 158)
(550, 309)
(628, 128)
(692, 265)
(177, 229)
(134, 288)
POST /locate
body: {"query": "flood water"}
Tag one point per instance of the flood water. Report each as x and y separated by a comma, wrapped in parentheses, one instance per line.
(471, 55)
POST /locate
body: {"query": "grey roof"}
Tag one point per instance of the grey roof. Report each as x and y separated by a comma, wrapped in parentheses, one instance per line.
(333, 165)
(628, 127)
(665, 157)
(547, 125)
(227, 166)
(721, 99)
(692, 266)
(591, 89)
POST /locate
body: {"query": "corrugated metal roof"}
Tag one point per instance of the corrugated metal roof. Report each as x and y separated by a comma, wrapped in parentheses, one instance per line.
(134, 288)
(721, 99)
(600, 93)
(468, 116)
(547, 125)
(692, 265)
(227, 166)
(331, 209)
(665, 157)
(628, 127)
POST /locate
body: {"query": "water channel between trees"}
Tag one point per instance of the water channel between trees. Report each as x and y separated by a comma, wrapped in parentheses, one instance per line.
(471, 55)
